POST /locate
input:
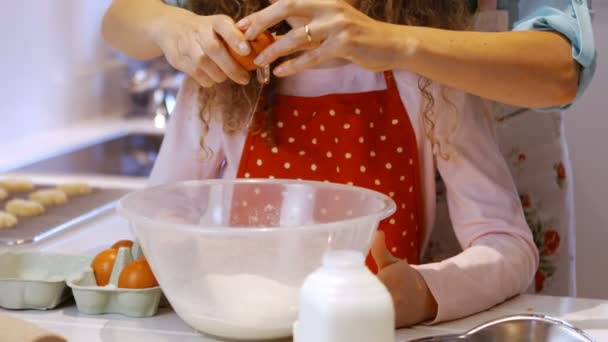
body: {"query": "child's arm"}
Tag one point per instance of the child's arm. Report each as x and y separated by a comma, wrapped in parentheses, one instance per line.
(499, 258)
(179, 156)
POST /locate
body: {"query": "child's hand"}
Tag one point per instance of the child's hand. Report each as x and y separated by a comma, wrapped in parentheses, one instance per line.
(412, 299)
(336, 30)
(193, 44)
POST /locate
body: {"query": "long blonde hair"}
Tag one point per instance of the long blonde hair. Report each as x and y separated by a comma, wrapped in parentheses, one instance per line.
(236, 102)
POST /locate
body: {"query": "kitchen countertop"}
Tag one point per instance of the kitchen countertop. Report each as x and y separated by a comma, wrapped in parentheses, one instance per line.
(589, 315)
(93, 235)
(32, 148)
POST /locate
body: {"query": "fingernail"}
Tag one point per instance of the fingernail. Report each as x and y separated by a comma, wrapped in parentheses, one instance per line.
(244, 48)
(249, 33)
(243, 23)
(279, 71)
(260, 60)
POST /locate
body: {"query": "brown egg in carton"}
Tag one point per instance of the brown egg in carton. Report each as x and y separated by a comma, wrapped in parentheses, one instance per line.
(94, 299)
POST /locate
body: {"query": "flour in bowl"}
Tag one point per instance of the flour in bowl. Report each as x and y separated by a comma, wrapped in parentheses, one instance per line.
(243, 306)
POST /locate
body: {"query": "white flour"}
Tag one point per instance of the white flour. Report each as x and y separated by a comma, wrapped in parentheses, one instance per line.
(243, 306)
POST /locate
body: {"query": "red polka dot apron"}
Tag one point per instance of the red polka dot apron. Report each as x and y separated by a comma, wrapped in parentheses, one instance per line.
(363, 139)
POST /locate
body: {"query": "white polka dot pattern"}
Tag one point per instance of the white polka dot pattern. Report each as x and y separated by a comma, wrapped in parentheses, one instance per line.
(352, 142)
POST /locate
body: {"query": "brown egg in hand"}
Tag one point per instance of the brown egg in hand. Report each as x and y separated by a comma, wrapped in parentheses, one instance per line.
(257, 46)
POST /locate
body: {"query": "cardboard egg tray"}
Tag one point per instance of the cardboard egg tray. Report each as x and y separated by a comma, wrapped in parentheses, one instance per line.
(94, 300)
(42, 281)
(37, 280)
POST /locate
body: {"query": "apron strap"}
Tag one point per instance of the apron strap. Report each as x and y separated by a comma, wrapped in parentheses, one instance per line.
(391, 84)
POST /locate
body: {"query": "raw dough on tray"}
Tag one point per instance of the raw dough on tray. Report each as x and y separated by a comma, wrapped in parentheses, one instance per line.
(16, 185)
(75, 189)
(7, 220)
(49, 197)
(21, 207)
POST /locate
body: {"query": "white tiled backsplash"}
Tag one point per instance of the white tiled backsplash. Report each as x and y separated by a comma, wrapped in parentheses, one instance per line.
(54, 67)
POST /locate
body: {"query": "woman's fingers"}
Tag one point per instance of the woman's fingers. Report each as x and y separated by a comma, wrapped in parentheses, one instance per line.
(323, 37)
(225, 27)
(296, 40)
(202, 68)
(211, 69)
(262, 20)
(218, 63)
(199, 46)
(205, 63)
(201, 77)
(307, 60)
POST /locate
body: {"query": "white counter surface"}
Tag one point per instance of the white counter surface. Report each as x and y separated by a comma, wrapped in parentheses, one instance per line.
(101, 231)
(589, 315)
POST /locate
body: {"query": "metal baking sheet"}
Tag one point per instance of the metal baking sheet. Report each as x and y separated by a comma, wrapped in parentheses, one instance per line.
(58, 218)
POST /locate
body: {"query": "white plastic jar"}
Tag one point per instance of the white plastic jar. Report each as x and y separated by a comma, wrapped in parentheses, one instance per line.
(343, 301)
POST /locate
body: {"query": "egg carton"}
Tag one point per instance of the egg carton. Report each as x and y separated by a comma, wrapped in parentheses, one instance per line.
(30, 280)
(110, 299)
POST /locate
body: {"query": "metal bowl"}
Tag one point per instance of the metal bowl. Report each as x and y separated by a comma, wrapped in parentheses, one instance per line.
(524, 328)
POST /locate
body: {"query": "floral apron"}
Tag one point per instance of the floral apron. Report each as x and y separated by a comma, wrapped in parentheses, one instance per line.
(535, 147)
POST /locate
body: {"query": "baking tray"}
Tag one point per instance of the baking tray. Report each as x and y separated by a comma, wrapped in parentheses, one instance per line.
(60, 217)
(37, 280)
(523, 328)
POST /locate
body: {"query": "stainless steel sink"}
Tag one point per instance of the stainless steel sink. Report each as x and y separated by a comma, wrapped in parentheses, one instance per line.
(127, 155)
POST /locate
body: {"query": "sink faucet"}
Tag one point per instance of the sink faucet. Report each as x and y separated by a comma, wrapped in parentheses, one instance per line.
(153, 88)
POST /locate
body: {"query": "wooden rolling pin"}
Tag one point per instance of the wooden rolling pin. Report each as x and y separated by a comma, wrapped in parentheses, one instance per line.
(16, 330)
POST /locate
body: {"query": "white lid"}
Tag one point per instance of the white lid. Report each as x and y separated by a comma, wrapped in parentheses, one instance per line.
(343, 301)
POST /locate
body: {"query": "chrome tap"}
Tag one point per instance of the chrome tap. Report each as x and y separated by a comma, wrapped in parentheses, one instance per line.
(153, 88)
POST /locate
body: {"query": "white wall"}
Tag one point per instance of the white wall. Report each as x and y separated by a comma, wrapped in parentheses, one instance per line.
(52, 65)
(587, 132)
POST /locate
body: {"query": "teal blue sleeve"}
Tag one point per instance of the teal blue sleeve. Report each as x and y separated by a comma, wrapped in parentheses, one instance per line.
(178, 3)
(572, 19)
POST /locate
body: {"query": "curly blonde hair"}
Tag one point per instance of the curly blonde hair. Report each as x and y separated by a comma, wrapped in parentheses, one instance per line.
(237, 103)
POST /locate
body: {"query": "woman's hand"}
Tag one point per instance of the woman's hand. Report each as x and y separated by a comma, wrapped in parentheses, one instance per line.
(336, 30)
(412, 299)
(195, 45)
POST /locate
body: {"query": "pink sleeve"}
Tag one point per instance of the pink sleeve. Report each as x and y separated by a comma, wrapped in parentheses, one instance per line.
(180, 154)
(499, 258)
